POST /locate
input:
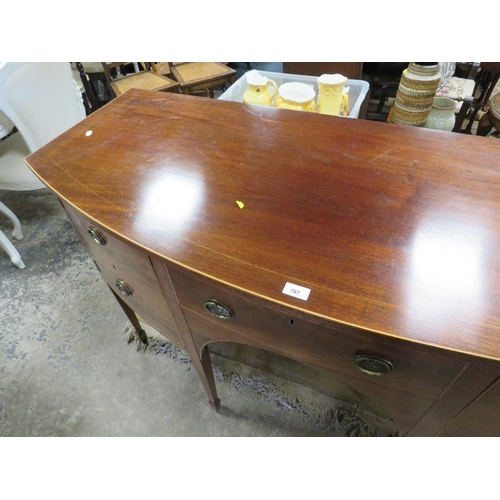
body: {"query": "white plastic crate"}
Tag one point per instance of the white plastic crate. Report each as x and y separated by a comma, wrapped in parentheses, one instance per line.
(357, 88)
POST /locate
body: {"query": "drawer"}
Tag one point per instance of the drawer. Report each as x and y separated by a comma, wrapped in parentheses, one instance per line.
(150, 305)
(129, 273)
(254, 322)
(131, 263)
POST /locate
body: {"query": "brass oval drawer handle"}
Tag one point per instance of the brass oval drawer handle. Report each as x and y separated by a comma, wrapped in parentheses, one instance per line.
(215, 308)
(96, 236)
(124, 289)
(373, 365)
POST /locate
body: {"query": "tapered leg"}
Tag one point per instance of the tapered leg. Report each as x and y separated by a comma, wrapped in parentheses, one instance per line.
(204, 369)
(201, 363)
(132, 318)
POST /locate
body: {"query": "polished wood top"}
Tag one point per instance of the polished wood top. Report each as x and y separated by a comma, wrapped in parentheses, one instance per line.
(393, 229)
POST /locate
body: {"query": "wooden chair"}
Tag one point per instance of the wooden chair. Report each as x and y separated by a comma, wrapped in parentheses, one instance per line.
(383, 78)
(96, 89)
(489, 123)
(142, 76)
(201, 76)
(488, 79)
(163, 68)
(462, 90)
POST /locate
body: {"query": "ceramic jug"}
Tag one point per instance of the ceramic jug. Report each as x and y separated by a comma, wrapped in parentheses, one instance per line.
(331, 88)
(442, 114)
(295, 95)
(258, 89)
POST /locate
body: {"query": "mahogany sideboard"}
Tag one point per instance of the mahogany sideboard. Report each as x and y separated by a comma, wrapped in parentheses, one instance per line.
(364, 249)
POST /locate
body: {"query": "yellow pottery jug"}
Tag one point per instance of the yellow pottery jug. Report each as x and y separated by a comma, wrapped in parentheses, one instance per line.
(295, 95)
(258, 89)
(330, 94)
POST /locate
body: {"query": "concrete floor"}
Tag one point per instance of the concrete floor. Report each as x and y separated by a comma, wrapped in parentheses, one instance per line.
(92, 383)
(95, 384)
(81, 378)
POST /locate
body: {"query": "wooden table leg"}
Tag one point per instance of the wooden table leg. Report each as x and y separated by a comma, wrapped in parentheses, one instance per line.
(201, 361)
(204, 369)
(132, 317)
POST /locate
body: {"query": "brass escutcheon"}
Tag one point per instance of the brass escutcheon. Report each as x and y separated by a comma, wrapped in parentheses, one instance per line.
(124, 289)
(215, 308)
(373, 365)
(96, 236)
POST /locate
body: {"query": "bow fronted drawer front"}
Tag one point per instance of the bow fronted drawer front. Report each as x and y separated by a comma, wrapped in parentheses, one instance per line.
(127, 270)
(396, 373)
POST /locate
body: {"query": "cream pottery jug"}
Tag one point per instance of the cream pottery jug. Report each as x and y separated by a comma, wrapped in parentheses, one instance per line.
(330, 94)
(442, 115)
(258, 89)
(295, 95)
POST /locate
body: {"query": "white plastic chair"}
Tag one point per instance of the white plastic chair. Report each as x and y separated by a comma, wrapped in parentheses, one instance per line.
(41, 101)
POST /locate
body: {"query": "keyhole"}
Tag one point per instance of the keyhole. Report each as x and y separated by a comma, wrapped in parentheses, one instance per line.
(292, 321)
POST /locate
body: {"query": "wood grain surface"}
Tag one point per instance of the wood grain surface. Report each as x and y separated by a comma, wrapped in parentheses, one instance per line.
(393, 229)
